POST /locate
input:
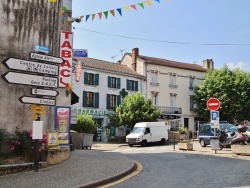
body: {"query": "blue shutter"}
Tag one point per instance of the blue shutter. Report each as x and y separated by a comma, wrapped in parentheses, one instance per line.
(108, 101)
(109, 81)
(96, 79)
(84, 99)
(118, 100)
(118, 83)
(85, 78)
(127, 85)
(96, 104)
(136, 85)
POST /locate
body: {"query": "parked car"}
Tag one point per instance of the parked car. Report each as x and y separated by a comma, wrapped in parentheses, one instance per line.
(205, 132)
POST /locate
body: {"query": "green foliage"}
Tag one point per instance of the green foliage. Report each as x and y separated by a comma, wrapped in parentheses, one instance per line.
(231, 87)
(85, 124)
(182, 131)
(135, 108)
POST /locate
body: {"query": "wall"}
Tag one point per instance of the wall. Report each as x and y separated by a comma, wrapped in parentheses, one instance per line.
(23, 24)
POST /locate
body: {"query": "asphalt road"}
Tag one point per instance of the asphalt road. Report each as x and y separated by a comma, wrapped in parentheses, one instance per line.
(184, 170)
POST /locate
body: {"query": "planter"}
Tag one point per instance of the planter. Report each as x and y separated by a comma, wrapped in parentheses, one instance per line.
(87, 140)
(240, 149)
(185, 146)
(183, 136)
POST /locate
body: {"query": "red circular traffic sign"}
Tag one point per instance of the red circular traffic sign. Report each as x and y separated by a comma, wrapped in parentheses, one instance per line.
(213, 104)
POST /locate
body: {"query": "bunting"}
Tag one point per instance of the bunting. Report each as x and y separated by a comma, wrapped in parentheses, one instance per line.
(106, 13)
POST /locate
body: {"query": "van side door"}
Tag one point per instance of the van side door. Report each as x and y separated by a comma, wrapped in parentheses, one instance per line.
(147, 135)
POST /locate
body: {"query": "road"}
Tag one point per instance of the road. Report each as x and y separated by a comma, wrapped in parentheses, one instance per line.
(184, 169)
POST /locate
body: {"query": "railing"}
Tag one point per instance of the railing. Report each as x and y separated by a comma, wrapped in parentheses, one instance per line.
(154, 84)
(172, 85)
(169, 110)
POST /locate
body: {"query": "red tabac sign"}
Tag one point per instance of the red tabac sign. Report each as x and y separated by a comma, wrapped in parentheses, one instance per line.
(213, 104)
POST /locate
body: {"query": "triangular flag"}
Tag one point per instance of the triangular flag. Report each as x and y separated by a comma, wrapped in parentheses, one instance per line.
(106, 14)
(133, 6)
(100, 15)
(112, 12)
(65, 15)
(120, 11)
(61, 12)
(81, 17)
(87, 17)
(141, 4)
(93, 16)
(64, 8)
(126, 7)
(158, 1)
(148, 2)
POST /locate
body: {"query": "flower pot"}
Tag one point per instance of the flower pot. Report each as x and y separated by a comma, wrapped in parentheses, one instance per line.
(185, 146)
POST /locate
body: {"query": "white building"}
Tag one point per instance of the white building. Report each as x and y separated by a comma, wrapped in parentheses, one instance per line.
(170, 85)
(102, 85)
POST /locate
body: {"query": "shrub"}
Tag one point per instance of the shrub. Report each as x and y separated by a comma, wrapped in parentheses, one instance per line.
(85, 124)
(182, 131)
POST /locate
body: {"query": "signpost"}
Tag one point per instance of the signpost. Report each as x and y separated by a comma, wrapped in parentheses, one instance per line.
(30, 79)
(35, 100)
(47, 58)
(44, 92)
(30, 66)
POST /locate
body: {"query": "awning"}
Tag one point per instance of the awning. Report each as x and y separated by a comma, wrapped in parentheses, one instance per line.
(74, 98)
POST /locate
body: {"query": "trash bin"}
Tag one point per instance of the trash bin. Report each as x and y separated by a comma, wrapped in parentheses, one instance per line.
(87, 140)
(214, 142)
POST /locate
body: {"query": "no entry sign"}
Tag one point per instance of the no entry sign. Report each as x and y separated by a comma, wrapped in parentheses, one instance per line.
(213, 104)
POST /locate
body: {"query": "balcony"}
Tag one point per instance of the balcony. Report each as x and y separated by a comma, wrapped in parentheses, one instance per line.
(169, 110)
(154, 84)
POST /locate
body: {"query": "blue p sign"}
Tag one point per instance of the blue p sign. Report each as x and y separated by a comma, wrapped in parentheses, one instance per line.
(214, 115)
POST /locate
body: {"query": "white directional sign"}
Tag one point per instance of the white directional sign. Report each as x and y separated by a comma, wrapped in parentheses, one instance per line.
(30, 66)
(29, 79)
(45, 92)
(47, 58)
(34, 100)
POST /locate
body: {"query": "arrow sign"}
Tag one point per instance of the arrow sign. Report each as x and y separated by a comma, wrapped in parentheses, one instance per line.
(34, 100)
(52, 59)
(30, 79)
(35, 67)
(45, 92)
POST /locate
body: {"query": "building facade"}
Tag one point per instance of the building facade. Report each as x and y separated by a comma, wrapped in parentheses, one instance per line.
(170, 85)
(101, 86)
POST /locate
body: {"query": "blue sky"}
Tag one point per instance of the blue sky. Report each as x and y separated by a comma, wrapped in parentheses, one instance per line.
(184, 21)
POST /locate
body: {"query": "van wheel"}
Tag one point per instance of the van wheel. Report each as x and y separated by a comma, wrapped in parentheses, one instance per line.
(163, 141)
(144, 143)
(130, 145)
(202, 142)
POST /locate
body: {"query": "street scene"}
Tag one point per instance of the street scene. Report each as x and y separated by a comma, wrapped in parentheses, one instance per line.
(151, 93)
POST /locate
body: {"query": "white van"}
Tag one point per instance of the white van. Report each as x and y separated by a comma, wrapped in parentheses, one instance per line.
(146, 132)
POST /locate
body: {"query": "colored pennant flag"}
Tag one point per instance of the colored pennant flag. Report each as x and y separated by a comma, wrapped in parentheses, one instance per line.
(64, 8)
(87, 17)
(133, 6)
(112, 12)
(148, 2)
(141, 4)
(106, 14)
(120, 11)
(81, 17)
(158, 1)
(100, 15)
(93, 16)
(53, 1)
(65, 16)
(126, 7)
(61, 12)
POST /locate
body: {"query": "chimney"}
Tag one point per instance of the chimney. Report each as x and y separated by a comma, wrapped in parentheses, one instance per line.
(119, 62)
(208, 64)
(135, 53)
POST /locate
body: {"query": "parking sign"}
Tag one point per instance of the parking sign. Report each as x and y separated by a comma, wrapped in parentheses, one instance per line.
(214, 115)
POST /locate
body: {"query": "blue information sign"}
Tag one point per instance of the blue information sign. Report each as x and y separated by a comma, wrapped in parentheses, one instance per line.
(80, 53)
(214, 115)
(39, 48)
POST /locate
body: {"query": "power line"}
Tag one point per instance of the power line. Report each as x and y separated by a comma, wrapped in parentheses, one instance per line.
(164, 41)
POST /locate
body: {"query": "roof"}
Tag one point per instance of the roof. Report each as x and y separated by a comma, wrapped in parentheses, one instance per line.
(169, 63)
(105, 65)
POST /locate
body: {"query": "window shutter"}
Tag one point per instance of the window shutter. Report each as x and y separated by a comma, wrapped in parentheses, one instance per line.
(108, 101)
(109, 81)
(136, 85)
(127, 85)
(118, 100)
(85, 78)
(118, 83)
(96, 79)
(84, 99)
(96, 104)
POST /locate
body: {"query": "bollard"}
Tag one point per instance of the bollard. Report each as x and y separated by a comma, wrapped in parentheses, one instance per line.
(174, 141)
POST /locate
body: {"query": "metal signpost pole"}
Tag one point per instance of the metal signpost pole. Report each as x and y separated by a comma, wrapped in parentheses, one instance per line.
(36, 152)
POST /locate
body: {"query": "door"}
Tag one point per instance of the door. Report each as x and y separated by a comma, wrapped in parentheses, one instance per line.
(147, 135)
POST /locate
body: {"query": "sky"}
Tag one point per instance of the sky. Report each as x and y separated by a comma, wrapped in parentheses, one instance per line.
(187, 31)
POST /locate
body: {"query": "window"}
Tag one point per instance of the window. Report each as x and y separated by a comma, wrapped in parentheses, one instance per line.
(91, 79)
(192, 104)
(172, 81)
(172, 101)
(114, 82)
(191, 83)
(154, 79)
(90, 99)
(113, 100)
(155, 99)
(132, 85)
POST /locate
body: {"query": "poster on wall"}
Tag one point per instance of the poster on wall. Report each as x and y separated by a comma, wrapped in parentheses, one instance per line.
(62, 123)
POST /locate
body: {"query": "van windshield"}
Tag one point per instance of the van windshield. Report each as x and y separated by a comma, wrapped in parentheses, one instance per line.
(138, 130)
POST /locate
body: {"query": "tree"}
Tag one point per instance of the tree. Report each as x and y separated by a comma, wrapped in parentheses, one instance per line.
(135, 108)
(85, 124)
(231, 87)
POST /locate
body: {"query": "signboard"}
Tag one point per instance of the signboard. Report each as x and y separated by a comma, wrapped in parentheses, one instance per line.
(30, 66)
(39, 107)
(91, 112)
(78, 71)
(34, 100)
(39, 48)
(37, 130)
(30, 79)
(214, 115)
(62, 123)
(213, 104)
(47, 58)
(44, 92)
(80, 53)
(66, 52)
